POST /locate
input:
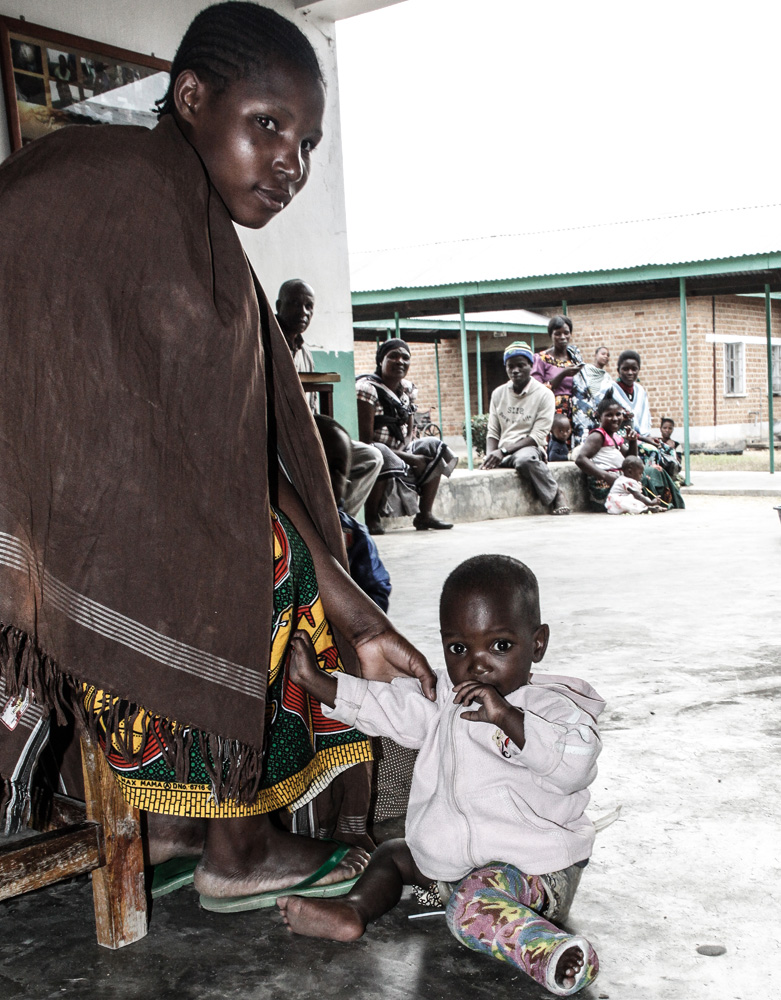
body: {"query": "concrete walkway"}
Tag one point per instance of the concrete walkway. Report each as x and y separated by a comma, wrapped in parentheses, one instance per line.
(747, 484)
(674, 619)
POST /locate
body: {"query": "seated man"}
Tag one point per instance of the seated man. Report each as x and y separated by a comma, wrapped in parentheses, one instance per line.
(520, 417)
(295, 308)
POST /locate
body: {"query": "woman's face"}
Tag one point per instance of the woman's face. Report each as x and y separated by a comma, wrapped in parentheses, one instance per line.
(602, 357)
(395, 364)
(560, 338)
(255, 138)
(612, 419)
(628, 371)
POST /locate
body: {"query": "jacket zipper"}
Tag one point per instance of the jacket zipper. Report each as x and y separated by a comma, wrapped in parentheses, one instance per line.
(454, 718)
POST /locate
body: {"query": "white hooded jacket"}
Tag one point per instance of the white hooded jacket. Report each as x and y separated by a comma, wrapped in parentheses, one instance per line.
(475, 797)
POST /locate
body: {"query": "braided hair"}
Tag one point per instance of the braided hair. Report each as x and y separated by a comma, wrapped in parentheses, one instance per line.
(230, 41)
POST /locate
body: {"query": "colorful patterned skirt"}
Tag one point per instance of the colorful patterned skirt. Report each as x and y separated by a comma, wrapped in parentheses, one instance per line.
(303, 751)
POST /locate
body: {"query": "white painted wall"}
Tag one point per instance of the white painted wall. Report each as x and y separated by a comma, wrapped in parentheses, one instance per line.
(309, 240)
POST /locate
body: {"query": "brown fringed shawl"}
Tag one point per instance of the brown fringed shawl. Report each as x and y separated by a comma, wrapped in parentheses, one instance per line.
(135, 539)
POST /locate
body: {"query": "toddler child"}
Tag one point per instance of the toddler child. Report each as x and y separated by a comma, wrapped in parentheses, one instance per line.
(496, 816)
(558, 443)
(626, 494)
(669, 456)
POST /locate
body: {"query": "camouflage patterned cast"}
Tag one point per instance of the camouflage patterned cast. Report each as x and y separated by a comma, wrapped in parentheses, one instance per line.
(498, 910)
(303, 752)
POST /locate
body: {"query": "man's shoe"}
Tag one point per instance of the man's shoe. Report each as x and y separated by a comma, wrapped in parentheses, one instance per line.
(375, 528)
(425, 522)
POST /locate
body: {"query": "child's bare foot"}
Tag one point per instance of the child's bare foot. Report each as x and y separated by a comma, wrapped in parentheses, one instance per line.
(332, 919)
(568, 967)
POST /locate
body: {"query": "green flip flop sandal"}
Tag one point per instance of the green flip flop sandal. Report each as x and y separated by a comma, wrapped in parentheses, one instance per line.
(306, 887)
(171, 875)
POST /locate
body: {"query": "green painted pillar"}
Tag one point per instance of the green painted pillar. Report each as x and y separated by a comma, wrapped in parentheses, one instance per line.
(563, 307)
(685, 375)
(439, 387)
(465, 376)
(398, 326)
(532, 345)
(388, 334)
(768, 331)
(479, 374)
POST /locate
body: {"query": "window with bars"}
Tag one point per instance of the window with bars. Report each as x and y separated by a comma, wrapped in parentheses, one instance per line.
(734, 370)
(776, 356)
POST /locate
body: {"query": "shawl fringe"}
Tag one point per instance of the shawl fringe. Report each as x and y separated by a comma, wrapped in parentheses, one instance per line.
(235, 769)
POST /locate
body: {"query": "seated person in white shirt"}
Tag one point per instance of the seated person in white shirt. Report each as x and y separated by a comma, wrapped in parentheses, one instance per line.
(520, 418)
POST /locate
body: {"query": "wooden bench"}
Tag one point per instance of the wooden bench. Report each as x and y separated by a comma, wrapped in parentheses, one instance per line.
(105, 839)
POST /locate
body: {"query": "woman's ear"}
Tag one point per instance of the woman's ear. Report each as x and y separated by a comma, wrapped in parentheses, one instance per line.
(189, 95)
(540, 643)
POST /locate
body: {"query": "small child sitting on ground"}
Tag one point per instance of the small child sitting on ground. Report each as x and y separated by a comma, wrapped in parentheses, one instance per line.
(496, 817)
(669, 455)
(626, 494)
(558, 442)
(366, 567)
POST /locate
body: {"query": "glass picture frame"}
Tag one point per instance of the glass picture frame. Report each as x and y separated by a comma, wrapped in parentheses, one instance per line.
(52, 79)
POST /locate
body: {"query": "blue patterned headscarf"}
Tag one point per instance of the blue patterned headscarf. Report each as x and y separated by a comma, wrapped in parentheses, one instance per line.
(516, 348)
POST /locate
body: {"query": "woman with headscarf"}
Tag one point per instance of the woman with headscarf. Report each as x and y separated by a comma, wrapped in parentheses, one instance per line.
(559, 364)
(588, 389)
(412, 468)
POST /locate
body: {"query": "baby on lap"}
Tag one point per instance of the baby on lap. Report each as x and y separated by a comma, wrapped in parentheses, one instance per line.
(496, 824)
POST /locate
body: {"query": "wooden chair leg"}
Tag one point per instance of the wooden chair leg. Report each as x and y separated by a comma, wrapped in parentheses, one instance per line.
(118, 888)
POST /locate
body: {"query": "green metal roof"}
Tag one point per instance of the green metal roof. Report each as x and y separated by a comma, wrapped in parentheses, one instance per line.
(728, 275)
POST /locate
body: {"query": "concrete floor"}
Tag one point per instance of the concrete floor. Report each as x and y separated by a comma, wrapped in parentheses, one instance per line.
(674, 620)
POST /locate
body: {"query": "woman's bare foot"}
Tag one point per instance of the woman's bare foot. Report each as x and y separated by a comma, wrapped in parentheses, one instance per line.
(243, 857)
(568, 967)
(333, 919)
(173, 837)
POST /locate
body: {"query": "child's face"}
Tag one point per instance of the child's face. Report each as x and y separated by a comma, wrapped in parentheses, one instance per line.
(667, 429)
(255, 137)
(489, 638)
(560, 430)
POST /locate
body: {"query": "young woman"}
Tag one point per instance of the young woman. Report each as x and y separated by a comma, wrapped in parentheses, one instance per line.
(602, 454)
(411, 469)
(165, 513)
(557, 366)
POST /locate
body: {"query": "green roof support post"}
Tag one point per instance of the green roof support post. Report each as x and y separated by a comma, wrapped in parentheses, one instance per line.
(388, 333)
(685, 374)
(439, 387)
(398, 326)
(768, 331)
(465, 375)
(532, 343)
(479, 374)
(563, 307)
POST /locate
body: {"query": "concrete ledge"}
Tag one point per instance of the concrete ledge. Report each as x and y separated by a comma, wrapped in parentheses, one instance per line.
(483, 496)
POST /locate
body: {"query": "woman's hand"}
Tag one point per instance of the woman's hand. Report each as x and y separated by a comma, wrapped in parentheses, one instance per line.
(388, 655)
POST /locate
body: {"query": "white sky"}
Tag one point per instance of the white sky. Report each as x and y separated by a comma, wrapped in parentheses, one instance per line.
(468, 118)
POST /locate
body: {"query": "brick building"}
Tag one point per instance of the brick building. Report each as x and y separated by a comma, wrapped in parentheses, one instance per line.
(732, 316)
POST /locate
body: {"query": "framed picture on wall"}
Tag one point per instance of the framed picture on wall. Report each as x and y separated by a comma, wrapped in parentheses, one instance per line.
(52, 79)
